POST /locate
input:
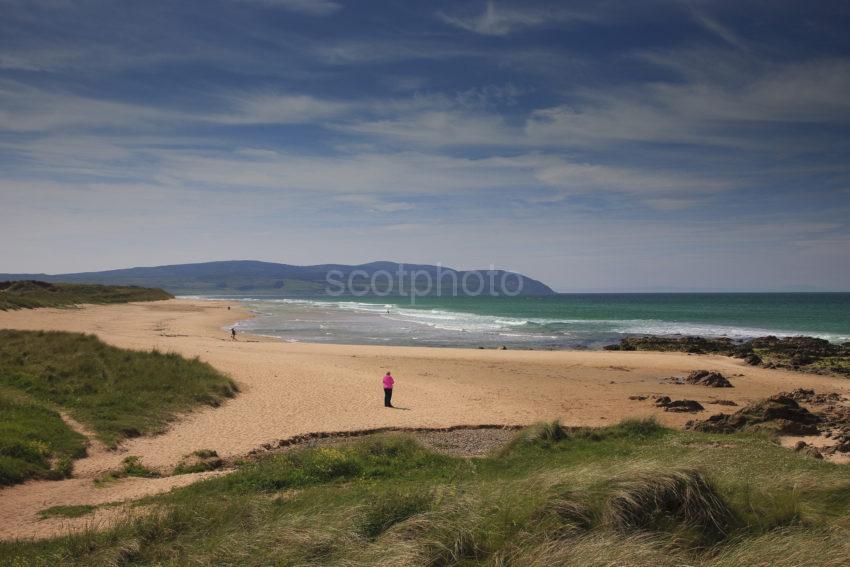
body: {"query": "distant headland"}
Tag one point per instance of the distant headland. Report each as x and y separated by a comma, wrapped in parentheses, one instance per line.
(272, 279)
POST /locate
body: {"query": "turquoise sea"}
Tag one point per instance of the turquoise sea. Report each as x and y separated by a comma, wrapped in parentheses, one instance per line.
(561, 321)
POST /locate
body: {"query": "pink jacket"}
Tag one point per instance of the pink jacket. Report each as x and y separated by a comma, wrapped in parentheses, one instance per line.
(388, 381)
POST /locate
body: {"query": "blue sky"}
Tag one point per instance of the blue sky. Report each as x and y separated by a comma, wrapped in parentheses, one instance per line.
(598, 146)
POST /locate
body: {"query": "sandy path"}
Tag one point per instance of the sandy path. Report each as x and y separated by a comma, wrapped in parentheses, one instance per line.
(294, 388)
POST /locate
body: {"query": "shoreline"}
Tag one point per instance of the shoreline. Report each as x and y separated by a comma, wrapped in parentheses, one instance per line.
(293, 389)
(352, 321)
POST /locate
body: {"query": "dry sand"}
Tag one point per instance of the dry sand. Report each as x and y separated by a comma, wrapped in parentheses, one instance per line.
(294, 388)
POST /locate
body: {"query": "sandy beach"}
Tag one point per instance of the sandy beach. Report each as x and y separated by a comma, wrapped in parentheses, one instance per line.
(289, 389)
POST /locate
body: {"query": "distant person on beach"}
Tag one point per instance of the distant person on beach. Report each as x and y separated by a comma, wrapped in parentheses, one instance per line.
(388, 389)
(233, 333)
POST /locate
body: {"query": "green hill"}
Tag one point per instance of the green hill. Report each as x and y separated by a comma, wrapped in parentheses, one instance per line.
(267, 278)
(29, 294)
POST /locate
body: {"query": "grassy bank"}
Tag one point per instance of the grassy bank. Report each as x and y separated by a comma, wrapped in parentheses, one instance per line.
(633, 494)
(115, 393)
(34, 441)
(29, 294)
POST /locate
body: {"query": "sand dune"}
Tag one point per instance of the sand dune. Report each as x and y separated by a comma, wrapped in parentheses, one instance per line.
(293, 388)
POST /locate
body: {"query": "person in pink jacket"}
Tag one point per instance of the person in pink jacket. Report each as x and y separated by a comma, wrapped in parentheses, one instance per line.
(388, 389)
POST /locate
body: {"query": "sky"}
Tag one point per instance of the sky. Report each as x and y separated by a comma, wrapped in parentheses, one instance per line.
(594, 145)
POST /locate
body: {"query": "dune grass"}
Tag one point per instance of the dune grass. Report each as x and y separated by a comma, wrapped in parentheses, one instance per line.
(632, 494)
(115, 393)
(30, 294)
(34, 441)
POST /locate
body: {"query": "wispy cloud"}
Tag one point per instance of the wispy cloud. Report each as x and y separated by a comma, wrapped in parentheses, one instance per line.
(373, 204)
(307, 7)
(718, 29)
(502, 20)
(276, 108)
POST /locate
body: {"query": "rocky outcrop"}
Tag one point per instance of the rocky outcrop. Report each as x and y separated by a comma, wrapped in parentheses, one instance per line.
(804, 395)
(695, 345)
(678, 406)
(708, 378)
(779, 413)
(796, 353)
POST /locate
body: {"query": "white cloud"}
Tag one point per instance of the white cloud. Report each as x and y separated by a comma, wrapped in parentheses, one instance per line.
(589, 178)
(26, 109)
(436, 128)
(374, 204)
(270, 108)
(733, 112)
(501, 20)
(718, 29)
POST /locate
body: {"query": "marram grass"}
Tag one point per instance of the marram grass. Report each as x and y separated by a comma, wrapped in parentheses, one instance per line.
(633, 494)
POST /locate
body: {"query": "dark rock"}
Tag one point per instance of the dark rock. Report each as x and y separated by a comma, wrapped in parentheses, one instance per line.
(708, 378)
(637, 398)
(662, 401)
(723, 403)
(694, 345)
(780, 413)
(811, 397)
(798, 353)
(800, 445)
(788, 427)
(684, 406)
(718, 423)
(803, 346)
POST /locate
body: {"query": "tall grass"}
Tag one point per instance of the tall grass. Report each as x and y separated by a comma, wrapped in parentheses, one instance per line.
(632, 494)
(115, 392)
(669, 500)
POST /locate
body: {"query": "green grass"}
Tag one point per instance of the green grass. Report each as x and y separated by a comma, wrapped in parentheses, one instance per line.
(199, 461)
(116, 393)
(633, 494)
(30, 294)
(130, 466)
(34, 441)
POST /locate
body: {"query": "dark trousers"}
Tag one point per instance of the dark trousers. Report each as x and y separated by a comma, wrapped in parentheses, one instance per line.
(388, 396)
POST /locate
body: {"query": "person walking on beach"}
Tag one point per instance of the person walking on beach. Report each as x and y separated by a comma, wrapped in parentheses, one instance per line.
(233, 333)
(388, 389)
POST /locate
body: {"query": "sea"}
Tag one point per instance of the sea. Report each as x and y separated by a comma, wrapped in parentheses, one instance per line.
(564, 321)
